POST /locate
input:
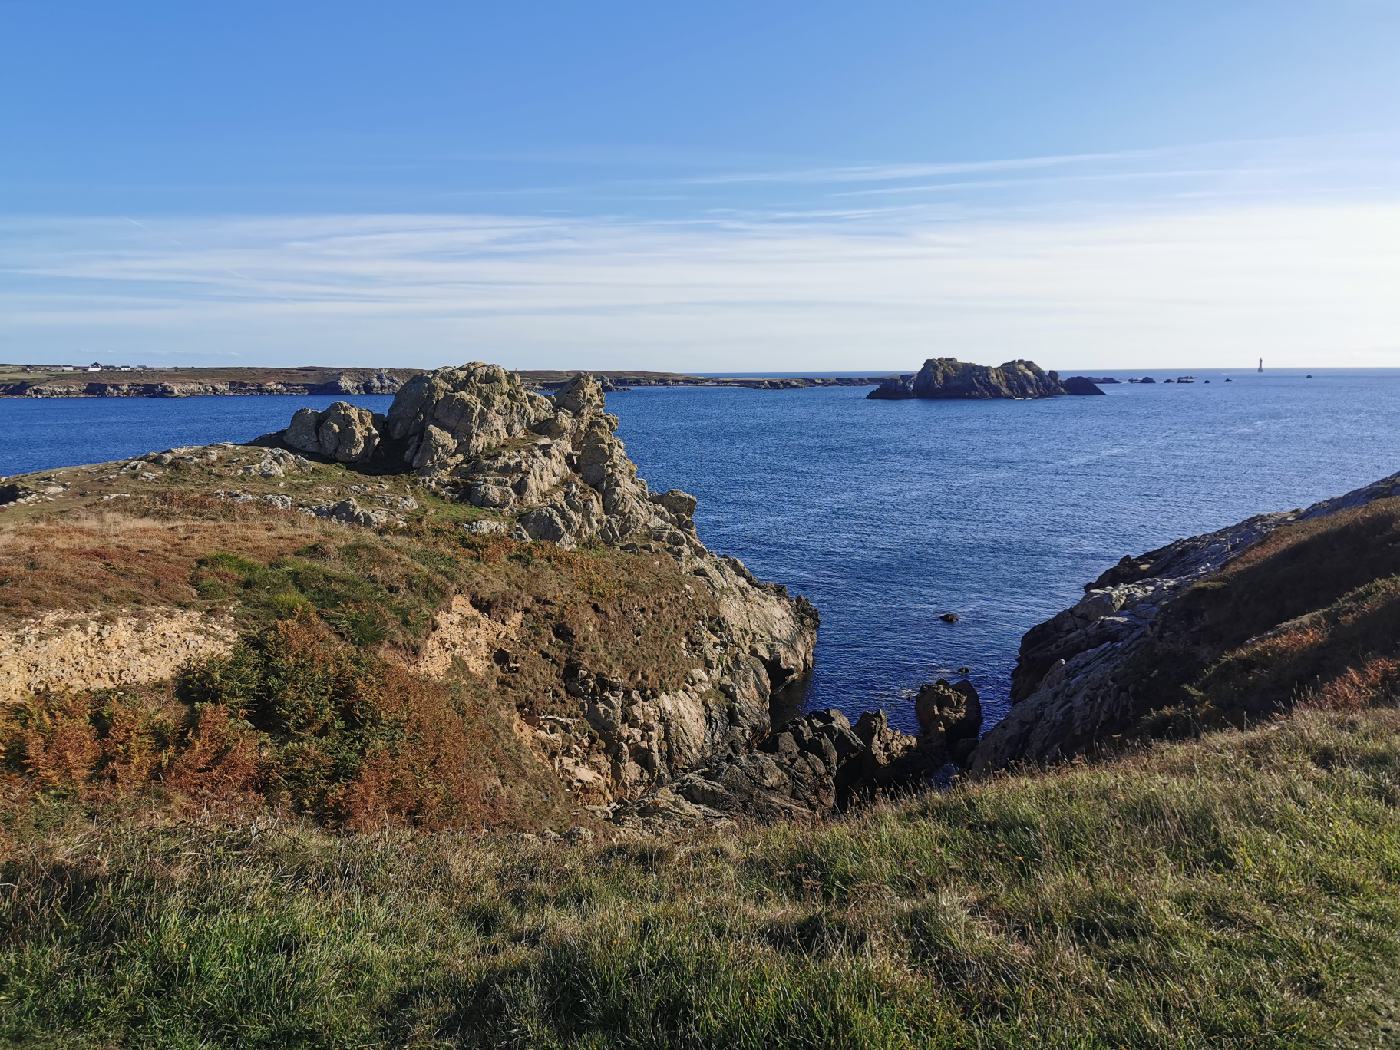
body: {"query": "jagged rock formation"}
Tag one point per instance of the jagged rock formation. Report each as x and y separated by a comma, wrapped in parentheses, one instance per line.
(556, 468)
(816, 765)
(947, 377)
(1226, 627)
(478, 434)
(343, 432)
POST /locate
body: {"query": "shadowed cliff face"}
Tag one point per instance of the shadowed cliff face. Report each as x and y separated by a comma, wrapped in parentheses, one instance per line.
(1222, 629)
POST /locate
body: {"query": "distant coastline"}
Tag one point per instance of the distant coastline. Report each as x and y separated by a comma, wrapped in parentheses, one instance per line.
(52, 381)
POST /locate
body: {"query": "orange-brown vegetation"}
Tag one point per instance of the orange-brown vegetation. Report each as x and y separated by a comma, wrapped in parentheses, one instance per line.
(317, 708)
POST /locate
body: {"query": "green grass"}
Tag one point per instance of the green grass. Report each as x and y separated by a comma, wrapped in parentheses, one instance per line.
(346, 584)
(1240, 890)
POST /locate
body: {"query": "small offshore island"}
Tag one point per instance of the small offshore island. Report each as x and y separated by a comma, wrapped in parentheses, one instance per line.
(947, 378)
(448, 698)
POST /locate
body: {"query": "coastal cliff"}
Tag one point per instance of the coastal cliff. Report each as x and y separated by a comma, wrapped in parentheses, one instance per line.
(482, 564)
(1228, 628)
(948, 378)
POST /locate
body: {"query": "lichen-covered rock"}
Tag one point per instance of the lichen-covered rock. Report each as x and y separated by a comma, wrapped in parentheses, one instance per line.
(479, 434)
(343, 432)
(443, 418)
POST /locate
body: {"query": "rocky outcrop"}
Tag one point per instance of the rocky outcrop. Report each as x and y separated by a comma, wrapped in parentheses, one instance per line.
(950, 719)
(342, 432)
(379, 382)
(478, 434)
(1090, 675)
(949, 378)
(811, 767)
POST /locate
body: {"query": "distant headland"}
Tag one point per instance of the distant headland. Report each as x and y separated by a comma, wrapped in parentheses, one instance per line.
(99, 380)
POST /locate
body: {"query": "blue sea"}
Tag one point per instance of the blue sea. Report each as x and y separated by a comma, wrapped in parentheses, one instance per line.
(889, 513)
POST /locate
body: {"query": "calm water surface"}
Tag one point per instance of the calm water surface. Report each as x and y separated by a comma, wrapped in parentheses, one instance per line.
(887, 514)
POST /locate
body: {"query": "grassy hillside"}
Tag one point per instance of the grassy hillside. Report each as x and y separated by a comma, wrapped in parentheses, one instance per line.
(1238, 890)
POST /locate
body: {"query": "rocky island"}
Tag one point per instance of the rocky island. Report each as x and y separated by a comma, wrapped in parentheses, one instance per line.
(948, 378)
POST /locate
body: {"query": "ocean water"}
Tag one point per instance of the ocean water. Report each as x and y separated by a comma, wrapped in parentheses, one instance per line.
(888, 514)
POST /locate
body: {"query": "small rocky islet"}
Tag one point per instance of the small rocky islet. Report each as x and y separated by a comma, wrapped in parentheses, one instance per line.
(947, 378)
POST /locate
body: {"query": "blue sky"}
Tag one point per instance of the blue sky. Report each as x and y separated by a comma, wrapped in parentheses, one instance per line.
(711, 186)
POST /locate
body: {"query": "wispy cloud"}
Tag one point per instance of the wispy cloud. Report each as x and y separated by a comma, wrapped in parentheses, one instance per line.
(895, 172)
(809, 289)
(1165, 175)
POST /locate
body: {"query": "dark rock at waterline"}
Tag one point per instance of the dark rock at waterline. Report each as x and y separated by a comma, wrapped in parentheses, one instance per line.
(950, 617)
(807, 768)
(949, 714)
(1081, 385)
